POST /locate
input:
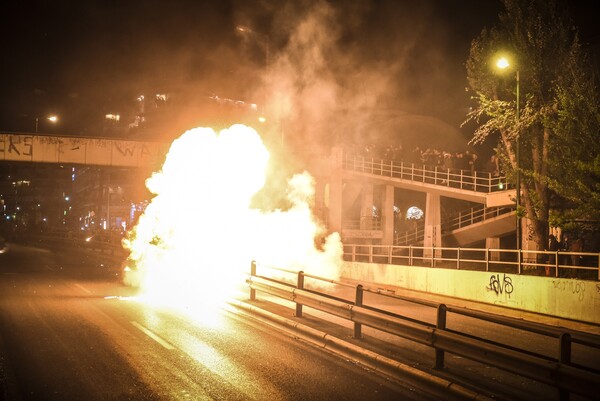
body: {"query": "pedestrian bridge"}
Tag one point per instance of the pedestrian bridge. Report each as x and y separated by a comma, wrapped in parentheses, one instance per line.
(357, 177)
(81, 150)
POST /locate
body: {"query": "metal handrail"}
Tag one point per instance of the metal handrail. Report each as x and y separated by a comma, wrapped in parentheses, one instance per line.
(462, 219)
(474, 215)
(479, 259)
(453, 178)
(558, 372)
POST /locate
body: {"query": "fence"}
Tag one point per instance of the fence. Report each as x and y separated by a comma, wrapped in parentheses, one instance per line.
(454, 178)
(561, 372)
(582, 265)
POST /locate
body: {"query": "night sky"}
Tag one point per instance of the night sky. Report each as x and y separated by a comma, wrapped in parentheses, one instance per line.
(395, 63)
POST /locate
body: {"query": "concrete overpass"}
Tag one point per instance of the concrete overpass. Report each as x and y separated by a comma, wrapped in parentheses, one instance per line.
(81, 150)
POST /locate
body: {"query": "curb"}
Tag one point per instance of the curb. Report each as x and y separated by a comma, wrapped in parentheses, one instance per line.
(390, 368)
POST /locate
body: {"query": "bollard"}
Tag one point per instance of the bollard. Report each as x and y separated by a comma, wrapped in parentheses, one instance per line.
(300, 286)
(358, 302)
(252, 274)
(440, 325)
(564, 357)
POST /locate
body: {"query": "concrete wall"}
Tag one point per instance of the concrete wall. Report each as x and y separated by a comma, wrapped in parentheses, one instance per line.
(565, 298)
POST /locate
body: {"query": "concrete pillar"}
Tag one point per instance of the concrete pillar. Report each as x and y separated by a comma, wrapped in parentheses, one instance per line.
(334, 203)
(366, 207)
(493, 243)
(388, 215)
(433, 225)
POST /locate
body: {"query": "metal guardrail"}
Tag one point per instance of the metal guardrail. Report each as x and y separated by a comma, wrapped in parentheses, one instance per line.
(110, 250)
(452, 178)
(582, 265)
(559, 372)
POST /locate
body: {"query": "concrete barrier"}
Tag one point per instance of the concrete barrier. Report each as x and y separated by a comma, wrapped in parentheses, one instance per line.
(560, 297)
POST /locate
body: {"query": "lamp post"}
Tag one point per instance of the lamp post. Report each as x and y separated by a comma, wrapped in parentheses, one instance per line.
(263, 37)
(266, 42)
(503, 63)
(51, 118)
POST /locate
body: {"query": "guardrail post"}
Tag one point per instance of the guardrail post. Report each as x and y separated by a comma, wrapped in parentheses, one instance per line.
(253, 274)
(358, 302)
(300, 286)
(564, 357)
(458, 258)
(440, 325)
(410, 257)
(519, 261)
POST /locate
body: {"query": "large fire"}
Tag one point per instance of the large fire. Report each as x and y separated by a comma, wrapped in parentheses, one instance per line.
(199, 234)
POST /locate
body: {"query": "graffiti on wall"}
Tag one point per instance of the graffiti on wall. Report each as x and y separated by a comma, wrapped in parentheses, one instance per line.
(500, 287)
(575, 287)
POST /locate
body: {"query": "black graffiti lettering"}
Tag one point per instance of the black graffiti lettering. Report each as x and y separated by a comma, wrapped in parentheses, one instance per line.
(504, 287)
(145, 151)
(26, 148)
(125, 151)
(11, 146)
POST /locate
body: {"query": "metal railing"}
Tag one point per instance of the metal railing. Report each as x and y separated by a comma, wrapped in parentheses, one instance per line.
(474, 215)
(364, 223)
(462, 219)
(582, 265)
(559, 372)
(411, 236)
(453, 178)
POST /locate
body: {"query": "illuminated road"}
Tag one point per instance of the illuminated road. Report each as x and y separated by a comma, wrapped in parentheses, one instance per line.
(67, 332)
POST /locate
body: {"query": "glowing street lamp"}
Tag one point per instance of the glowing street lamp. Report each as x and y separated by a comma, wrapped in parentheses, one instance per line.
(263, 37)
(53, 119)
(503, 63)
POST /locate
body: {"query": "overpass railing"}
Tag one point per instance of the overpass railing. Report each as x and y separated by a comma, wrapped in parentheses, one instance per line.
(582, 265)
(474, 215)
(453, 178)
(462, 219)
(559, 369)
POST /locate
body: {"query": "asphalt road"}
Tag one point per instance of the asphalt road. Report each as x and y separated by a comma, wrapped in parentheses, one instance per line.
(68, 332)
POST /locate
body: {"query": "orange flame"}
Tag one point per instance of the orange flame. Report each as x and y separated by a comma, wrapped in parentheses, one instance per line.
(199, 234)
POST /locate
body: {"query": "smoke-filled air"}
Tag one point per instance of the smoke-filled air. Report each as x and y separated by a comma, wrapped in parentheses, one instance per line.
(199, 234)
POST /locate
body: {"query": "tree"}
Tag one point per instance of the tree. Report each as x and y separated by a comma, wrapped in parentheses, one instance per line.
(558, 124)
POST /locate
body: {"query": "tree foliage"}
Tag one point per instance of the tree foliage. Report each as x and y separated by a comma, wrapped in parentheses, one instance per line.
(558, 122)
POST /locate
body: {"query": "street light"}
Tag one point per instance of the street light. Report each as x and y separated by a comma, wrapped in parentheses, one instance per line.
(51, 118)
(264, 38)
(266, 42)
(502, 64)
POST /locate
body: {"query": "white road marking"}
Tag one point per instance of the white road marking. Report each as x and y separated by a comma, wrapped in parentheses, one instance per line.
(83, 288)
(153, 336)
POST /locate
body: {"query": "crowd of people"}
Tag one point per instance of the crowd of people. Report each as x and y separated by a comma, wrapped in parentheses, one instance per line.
(467, 160)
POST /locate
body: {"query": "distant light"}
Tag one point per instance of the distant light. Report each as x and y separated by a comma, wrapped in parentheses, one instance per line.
(113, 117)
(414, 213)
(261, 119)
(53, 118)
(67, 198)
(501, 186)
(502, 63)
(44, 219)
